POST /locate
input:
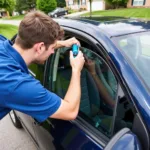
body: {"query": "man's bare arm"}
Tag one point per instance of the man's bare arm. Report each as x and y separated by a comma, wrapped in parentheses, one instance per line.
(69, 107)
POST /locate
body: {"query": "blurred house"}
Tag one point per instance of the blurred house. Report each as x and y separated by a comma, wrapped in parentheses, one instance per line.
(138, 3)
(85, 4)
(3, 13)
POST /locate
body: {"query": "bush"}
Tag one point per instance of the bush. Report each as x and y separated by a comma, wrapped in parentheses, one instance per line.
(46, 5)
(61, 3)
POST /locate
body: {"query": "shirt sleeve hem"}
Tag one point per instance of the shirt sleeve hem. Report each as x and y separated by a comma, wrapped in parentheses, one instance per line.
(51, 113)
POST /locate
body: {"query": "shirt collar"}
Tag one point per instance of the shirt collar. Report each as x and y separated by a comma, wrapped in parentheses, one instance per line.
(15, 55)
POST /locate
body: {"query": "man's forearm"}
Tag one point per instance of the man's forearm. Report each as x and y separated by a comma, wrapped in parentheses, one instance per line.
(59, 44)
(73, 94)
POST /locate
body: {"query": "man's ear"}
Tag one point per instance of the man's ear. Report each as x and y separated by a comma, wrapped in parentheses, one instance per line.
(39, 47)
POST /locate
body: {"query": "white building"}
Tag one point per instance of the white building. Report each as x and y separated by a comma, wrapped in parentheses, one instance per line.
(85, 4)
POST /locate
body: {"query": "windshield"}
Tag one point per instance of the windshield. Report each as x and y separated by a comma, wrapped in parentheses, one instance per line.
(136, 48)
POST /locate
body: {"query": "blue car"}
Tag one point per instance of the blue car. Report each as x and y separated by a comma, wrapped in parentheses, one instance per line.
(115, 84)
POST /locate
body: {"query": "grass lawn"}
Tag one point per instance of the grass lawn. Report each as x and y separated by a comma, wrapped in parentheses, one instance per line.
(8, 30)
(128, 12)
(20, 17)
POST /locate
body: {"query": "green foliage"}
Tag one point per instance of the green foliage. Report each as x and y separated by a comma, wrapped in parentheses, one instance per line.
(21, 5)
(24, 5)
(46, 5)
(9, 5)
(117, 3)
(1, 3)
(61, 3)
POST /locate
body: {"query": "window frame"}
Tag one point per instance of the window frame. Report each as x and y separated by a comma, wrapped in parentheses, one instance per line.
(99, 137)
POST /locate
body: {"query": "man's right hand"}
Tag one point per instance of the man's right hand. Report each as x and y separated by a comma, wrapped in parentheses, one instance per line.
(77, 62)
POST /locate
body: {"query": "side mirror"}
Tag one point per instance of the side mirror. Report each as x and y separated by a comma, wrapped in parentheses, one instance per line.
(124, 140)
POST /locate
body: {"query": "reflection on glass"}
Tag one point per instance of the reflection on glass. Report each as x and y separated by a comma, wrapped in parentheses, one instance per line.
(136, 48)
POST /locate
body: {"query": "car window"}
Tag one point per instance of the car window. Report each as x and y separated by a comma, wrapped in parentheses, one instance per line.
(145, 45)
(98, 88)
(136, 49)
(125, 112)
(62, 9)
(37, 71)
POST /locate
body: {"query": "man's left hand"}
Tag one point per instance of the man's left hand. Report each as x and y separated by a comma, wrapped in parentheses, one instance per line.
(70, 42)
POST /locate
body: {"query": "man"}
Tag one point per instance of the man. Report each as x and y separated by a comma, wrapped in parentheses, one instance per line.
(37, 38)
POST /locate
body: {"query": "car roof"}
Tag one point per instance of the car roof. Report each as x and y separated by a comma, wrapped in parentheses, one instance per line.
(111, 26)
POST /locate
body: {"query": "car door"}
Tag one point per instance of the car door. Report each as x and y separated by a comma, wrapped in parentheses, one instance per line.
(63, 11)
(59, 12)
(96, 123)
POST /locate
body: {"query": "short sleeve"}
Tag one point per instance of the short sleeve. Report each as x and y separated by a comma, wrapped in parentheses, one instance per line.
(30, 97)
(2, 38)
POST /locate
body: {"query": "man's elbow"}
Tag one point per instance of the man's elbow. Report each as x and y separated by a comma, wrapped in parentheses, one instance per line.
(72, 115)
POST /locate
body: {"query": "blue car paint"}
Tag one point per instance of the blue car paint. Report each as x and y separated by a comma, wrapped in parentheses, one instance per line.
(64, 135)
(128, 142)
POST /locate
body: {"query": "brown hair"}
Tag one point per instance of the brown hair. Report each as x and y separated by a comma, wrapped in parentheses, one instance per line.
(38, 27)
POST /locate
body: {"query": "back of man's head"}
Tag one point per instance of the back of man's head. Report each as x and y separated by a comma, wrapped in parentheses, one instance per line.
(37, 27)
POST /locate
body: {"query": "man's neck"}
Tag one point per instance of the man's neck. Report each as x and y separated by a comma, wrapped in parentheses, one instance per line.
(25, 54)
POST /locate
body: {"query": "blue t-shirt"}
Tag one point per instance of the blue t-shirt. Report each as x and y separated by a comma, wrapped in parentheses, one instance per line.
(19, 90)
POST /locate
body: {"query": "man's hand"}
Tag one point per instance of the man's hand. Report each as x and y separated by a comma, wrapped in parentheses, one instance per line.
(70, 42)
(77, 62)
(67, 43)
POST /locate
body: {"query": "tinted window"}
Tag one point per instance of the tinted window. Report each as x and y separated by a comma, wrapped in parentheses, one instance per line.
(37, 71)
(125, 112)
(98, 87)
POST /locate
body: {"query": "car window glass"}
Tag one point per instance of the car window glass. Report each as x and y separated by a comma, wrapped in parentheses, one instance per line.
(98, 88)
(136, 50)
(125, 113)
(37, 71)
(145, 45)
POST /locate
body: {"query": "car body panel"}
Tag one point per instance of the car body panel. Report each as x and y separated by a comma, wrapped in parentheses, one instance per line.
(59, 134)
(127, 142)
(115, 27)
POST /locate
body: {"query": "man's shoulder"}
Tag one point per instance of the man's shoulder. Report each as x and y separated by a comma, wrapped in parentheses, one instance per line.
(2, 38)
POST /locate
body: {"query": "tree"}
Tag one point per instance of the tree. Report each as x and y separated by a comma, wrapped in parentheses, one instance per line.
(90, 7)
(21, 5)
(9, 5)
(31, 3)
(117, 3)
(25, 5)
(46, 5)
(61, 3)
(1, 3)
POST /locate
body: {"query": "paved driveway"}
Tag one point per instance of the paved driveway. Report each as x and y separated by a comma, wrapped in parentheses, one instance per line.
(12, 138)
(17, 22)
(12, 22)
